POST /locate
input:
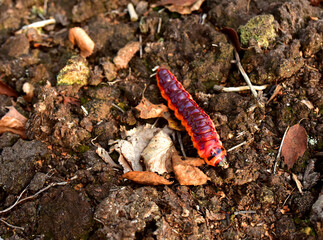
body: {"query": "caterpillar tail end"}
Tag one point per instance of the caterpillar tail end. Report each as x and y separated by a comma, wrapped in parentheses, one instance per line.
(224, 163)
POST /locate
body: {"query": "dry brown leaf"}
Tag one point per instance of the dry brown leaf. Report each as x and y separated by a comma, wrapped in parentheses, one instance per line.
(79, 37)
(294, 145)
(136, 141)
(157, 155)
(13, 122)
(149, 110)
(146, 178)
(196, 162)
(6, 90)
(180, 6)
(125, 54)
(186, 174)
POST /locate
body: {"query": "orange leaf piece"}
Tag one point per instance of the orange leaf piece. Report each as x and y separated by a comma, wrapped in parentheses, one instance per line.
(146, 178)
(79, 37)
(294, 145)
(196, 162)
(187, 174)
(149, 110)
(13, 122)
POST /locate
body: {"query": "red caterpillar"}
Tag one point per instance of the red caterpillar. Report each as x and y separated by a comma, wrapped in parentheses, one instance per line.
(196, 122)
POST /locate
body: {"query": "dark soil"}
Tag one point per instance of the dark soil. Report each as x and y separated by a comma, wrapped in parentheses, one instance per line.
(246, 201)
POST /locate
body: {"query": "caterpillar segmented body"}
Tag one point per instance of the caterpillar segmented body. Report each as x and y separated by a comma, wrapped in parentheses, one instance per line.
(196, 122)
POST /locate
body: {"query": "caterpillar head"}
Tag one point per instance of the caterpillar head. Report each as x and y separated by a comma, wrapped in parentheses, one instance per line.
(217, 157)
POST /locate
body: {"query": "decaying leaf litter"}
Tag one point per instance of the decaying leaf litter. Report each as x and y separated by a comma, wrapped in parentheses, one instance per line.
(67, 122)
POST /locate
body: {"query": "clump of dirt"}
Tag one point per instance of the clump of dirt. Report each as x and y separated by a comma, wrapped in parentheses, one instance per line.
(73, 194)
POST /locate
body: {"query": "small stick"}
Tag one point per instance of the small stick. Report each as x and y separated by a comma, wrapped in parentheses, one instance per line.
(117, 107)
(37, 24)
(244, 212)
(140, 46)
(132, 12)
(84, 111)
(181, 143)
(237, 89)
(159, 25)
(202, 19)
(18, 201)
(10, 225)
(244, 74)
(280, 149)
(237, 146)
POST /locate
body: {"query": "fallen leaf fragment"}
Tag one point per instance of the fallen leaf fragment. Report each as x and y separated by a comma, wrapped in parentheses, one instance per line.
(186, 174)
(125, 54)
(6, 90)
(196, 162)
(146, 178)
(13, 122)
(105, 156)
(157, 155)
(294, 145)
(149, 110)
(298, 183)
(180, 6)
(79, 37)
(136, 141)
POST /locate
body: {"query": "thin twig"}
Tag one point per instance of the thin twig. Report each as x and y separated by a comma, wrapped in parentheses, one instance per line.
(159, 25)
(37, 24)
(237, 89)
(181, 143)
(117, 107)
(18, 201)
(244, 212)
(288, 197)
(140, 46)
(10, 225)
(244, 74)
(280, 149)
(237, 146)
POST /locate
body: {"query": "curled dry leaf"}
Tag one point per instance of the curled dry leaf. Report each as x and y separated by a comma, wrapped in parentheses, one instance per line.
(149, 110)
(137, 140)
(105, 156)
(125, 54)
(180, 6)
(146, 178)
(13, 122)
(294, 145)
(79, 37)
(6, 90)
(157, 155)
(187, 174)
